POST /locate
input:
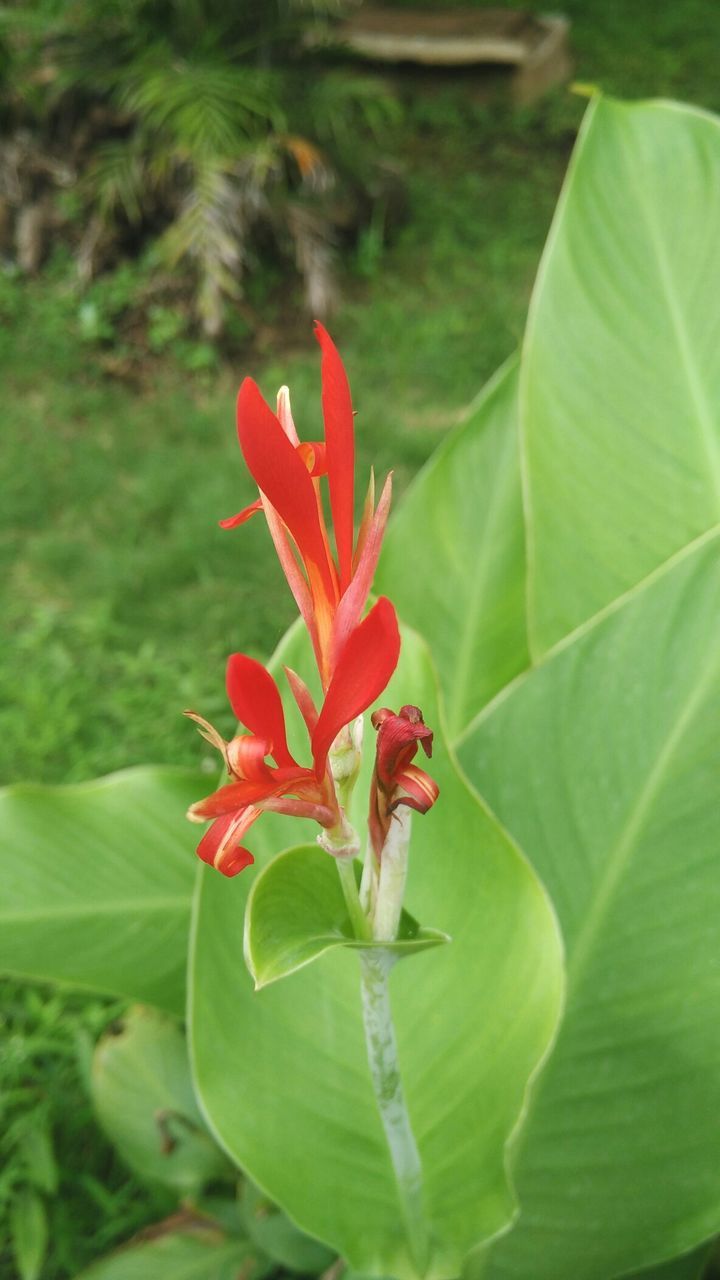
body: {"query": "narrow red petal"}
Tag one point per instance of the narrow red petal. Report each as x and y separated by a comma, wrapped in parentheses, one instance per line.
(303, 697)
(232, 522)
(219, 846)
(229, 799)
(282, 476)
(367, 662)
(255, 699)
(340, 440)
(353, 601)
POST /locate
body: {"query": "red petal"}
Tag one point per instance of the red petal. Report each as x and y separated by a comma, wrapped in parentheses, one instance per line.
(422, 790)
(219, 846)
(282, 476)
(353, 602)
(340, 440)
(365, 667)
(232, 522)
(303, 697)
(255, 699)
(397, 743)
(229, 799)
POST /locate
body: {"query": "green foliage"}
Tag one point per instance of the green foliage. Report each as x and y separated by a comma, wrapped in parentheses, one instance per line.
(50, 1153)
(187, 128)
(143, 1097)
(104, 902)
(313, 1124)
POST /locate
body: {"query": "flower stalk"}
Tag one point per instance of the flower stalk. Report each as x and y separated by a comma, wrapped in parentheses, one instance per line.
(382, 1054)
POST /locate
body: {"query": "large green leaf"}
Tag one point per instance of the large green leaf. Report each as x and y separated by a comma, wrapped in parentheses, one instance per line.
(690, 1266)
(453, 560)
(603, 763)
(143, 1095)
(97, 880)
(620, 382)
(283, 1074)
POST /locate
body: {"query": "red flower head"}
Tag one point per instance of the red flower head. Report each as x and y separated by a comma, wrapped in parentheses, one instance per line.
(330, 589)
(396, 780)
(368, 659)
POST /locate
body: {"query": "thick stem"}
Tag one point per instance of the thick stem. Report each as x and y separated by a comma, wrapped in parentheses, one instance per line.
(387, 1084)
(358, 919)
(393, 874)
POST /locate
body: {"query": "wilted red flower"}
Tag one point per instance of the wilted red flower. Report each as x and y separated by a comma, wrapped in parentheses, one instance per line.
(396, 780)
(362, 672)
(330, 589)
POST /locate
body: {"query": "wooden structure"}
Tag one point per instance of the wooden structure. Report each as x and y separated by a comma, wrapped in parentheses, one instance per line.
(536, 45)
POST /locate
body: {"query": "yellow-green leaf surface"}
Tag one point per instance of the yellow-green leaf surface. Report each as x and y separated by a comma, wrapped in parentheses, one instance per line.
(97, 880)
(453, 559)
(603, 764)
(620, 383)
(143, 1097)
(296, 912)
(282, 1073)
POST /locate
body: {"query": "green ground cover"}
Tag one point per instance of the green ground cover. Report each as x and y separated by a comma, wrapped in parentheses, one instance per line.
(121, 597)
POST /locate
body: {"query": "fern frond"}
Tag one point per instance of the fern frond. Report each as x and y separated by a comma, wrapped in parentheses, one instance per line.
(206, 108)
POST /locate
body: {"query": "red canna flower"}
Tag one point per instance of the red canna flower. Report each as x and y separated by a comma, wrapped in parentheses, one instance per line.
(396, 780)
(330, 588)
(360, 675)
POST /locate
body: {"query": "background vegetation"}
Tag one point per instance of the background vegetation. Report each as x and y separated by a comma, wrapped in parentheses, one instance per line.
(121, 597)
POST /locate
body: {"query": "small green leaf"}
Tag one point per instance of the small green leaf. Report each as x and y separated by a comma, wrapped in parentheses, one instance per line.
(144, 1099)
(199, 1252)
(296, 912)
(29, 1231)
(273, 1233)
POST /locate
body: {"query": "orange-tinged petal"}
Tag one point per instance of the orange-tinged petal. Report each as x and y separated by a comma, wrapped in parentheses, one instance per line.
(353, 601)
(282, 476)
(232, 522)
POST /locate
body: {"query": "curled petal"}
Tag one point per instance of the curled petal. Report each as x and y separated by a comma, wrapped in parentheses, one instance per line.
(232, 522)
(366, 664)
(314, 455)
(398, 740)
(416, 789)
(340, 440)
(245, 756)
(220, 846)
(255, 699)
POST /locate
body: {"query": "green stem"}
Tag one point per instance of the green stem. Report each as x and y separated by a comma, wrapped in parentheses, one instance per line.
(358, 919)
(387, 1084)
